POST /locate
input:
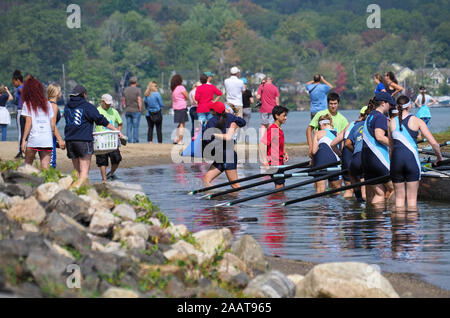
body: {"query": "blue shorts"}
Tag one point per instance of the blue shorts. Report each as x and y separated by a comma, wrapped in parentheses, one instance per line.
(372, 166)
(204, 117)
(404, 166)
(226, 165)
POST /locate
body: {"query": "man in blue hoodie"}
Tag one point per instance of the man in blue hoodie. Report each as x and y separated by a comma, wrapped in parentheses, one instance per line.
(80, 117)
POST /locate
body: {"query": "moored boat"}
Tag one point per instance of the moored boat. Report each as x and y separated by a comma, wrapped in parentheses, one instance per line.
(434, 186)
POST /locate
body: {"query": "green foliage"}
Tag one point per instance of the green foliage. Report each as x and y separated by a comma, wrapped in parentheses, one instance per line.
(74, 252)
(152, 280)
(82, 190)
(10, 165)
(51, 175)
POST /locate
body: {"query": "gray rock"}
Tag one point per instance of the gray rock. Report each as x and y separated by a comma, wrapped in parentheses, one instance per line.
(240, 280)
(102, 223)
(65, 231)
(248, 250)
(45, 192)
(65, 182)
(4, 199)
(21, 190)
(134, 242)
(2, 182)
(134, 229)
(271, 285)
(28, 211)
(125, 212)
(15, 177)
(68, 203)
(176, 289)
(2, 280)
(120, 293)
(28, 170)
(120, 190)
(159, 234)
(210, 241)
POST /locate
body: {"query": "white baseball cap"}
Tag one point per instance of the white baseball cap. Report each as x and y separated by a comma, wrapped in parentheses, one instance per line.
(235, 70)
(107, 99)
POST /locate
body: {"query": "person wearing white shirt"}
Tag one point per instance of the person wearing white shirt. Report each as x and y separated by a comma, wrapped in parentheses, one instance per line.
(234, 87)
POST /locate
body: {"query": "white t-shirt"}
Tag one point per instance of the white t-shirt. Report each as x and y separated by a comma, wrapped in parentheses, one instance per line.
(41, 131)
(234, 87)
(427, 99)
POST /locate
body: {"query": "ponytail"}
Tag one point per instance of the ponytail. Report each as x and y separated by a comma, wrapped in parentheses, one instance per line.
(222, 121)
(402, 100)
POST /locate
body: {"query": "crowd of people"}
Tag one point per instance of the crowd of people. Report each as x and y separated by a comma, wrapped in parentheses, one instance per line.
(381, 142)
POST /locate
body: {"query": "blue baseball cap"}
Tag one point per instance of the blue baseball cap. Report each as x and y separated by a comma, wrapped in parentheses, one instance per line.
(384, 97)
(244, 80)
(210, 74)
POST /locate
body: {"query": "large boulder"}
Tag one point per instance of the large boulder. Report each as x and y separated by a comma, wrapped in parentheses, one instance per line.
(120, 190)
(182, 251)
(16, 177)
(231, 266)
(134, 229)
(20, 190)
(178, 230)
(248, 250)
(28, 170)
(102, 223)
(45, 192)
(273, 284)
(211, 241)
(68, 203)
(346, 280)
(28, 211)
(65, 182)
(125, 212)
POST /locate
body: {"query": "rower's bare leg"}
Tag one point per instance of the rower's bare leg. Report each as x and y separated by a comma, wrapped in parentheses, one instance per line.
(400, 195)
(379, 194)
(335, 185)
(348, 193)
(320, 186)
(389, 190)
(212, 173)
(232, 176)
(411, 194)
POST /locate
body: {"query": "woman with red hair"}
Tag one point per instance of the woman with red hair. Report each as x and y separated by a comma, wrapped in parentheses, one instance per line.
(39, 126)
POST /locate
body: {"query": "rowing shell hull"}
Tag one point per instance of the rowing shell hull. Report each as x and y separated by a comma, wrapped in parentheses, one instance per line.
(434, 187)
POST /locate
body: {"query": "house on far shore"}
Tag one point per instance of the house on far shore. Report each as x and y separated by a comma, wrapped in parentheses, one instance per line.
(402, 72)
(434, 77)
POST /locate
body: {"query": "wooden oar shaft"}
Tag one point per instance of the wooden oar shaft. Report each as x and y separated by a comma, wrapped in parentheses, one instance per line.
(260, 175)
(252, 185)
(293, 186)
(359, 184)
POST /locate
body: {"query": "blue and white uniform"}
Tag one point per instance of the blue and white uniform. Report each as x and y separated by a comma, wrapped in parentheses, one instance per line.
(325, 154)
(356, 136)
(375, 156)
(405, 164)
(346, 153)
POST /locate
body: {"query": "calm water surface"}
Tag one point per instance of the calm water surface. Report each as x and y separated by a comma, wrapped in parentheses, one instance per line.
(320, 230)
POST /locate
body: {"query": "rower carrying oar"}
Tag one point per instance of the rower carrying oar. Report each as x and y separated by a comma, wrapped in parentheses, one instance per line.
(293, 186)
(359, 184)
(260, 175)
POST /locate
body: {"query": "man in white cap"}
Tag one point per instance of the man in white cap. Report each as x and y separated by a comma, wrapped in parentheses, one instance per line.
(115, 157)
(234, 87)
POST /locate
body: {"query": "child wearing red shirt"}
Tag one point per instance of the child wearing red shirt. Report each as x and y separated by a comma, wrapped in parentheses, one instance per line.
(272, 148)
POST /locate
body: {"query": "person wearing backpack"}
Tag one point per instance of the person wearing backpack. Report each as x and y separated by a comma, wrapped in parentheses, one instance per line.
(318, 89)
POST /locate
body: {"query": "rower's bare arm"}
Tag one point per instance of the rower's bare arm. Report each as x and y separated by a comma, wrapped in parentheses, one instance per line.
(336, 141)
(398, 88)
(230, 133)
(391, 128)
(349, 145)
(380, 136)
(315, 144)
(263, 154)
(309, 139)
(427, 133)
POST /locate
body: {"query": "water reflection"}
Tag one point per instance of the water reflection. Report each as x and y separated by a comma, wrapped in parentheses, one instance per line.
(274, 223)
(213, 217)
(405, 234)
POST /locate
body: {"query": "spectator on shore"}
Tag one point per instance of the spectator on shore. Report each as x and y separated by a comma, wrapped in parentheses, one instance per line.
(17, 80)
(5, 118)
(154, 105)
(39, 124)
(247, 101)
(132, 101)
(193, 108)
(80, 117)
(210, 76)
(179, 105)
(269, 96)
(381, 84)
(204, 95)
(115, 157)
(318, 94)
(234, 88)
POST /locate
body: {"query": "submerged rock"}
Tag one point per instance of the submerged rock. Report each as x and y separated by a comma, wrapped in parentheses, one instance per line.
(346, 280)
(249, 250)
(272, 285)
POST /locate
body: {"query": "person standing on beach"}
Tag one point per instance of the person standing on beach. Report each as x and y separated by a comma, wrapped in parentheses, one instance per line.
(115, 157)
(5, 117)
(423, 101)
(39, 124)
(80, 117)
(339, 121)
(132, 101)
(53, 95)
(204, 95)
(17, 81)
(381, 84)
(179, 105)
(318, 94)
(154, 105)
(234, 88)
(269, 96)
(247, 101)
(193, 108)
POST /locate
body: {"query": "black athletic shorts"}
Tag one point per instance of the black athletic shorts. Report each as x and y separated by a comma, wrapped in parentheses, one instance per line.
(102, 160)
(79, 149)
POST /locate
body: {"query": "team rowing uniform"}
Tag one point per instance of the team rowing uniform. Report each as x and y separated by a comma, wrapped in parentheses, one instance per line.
(346, 153)
(356, 136)
(405, 164)
(325, 154)
(375, 156)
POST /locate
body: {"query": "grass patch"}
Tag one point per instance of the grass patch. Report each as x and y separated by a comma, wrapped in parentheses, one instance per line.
(51, 175)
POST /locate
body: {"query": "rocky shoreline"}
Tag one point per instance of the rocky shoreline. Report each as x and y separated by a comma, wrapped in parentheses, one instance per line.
(109, 240)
